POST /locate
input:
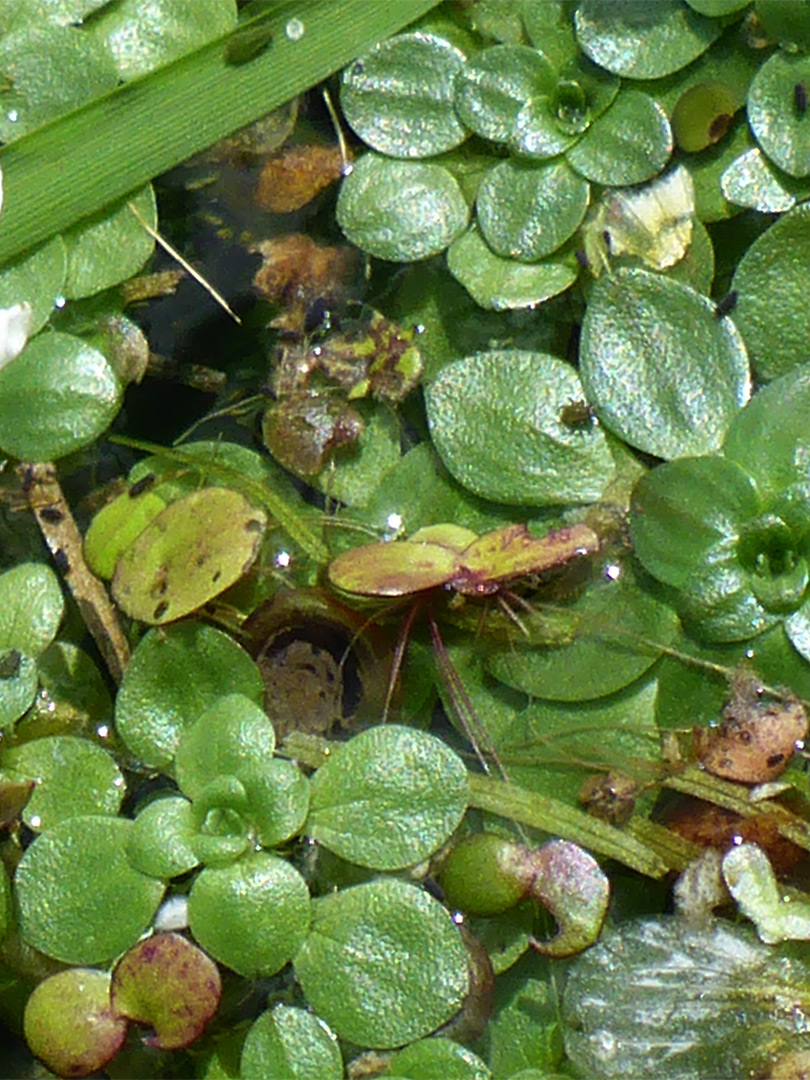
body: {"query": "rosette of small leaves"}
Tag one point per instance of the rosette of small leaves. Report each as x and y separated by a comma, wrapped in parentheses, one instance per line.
(566, 124)
(730, 533)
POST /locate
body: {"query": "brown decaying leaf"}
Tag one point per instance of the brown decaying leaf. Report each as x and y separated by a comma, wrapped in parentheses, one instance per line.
(293, 177)
(756, 739)
(303, 430)
(296, 271)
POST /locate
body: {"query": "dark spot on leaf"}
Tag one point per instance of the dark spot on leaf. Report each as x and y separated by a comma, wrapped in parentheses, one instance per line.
(581, 258)
(254, 526)
(215, 577)
(160, 610)
(51, 515)
(800, 98)
(142, 485)
(10, 664)
(719, 126)
(775, 759)
(727, 304)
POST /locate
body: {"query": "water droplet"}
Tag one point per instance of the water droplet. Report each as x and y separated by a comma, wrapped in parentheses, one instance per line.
(59, 302)
(283, 558)
(394, 522)
(613, 572)
(103, 731)
(36, 821)
(13, 115)
(295, 29)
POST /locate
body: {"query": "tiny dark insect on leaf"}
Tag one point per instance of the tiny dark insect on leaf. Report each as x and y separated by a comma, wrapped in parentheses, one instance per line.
(726, 304)
(142, 485)
(578, 415)
(51, 514)
(800, 98)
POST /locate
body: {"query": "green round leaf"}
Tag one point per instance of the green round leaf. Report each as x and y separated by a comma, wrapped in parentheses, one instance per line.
(74, 776)
(252, 915)
(74, 695)
(38, 279)
(751, 180)
(52, 69)
(527, 211)
(57, 396)
(160, 843)
(191, 552)
(79, 900)
(663, 371)
(504, 284)
(142, 35)
(770, 438)
(290, 1044)
(401, 211)
(31, 608)
(115, 527)
(433, 1058)
(496, 83)
(629, 143)
(70, 1025)
(527, 455)
(536, 131)
(772, 310)
(351, 478)
(389, 798)
(384, 964)
(616, 618)
(787, 21)
(685, 511)
(399, 97)
(640, 40)
(782, 130)
(109, 246)
(173, 676)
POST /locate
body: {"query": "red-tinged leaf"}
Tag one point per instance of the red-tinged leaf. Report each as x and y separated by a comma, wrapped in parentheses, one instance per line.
(512, 552)
(571, 884)
(398, 568)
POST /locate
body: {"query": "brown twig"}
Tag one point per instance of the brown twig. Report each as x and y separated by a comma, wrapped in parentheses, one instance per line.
(41, 487)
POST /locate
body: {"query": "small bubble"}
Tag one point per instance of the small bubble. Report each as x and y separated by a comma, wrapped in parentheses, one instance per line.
(394, 522)
(317, 351)
(13, 115)
(118, 782)
(283, 558)
(458, 918)
(419, 329)
(347, 169)
(294, 29)
(103, 731)
(59, 302)
(737, 839)
(749, 654)
(613, 572)
(36, 821)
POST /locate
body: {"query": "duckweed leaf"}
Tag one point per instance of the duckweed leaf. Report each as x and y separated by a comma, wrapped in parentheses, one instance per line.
(388, 798)
(536, 131)
(173, 676)
(399, 97)
(384, 964)
(550, 28)
(18, 684)
(571, 884)
(252, 916)
(772, 311)
(57, 396)
(504, 284)
(169, 984)
(629, 143)
(787, 23)
(496, 83)
(782, 130)
(663, 372)
(109, 246)
(70, 1025)
(401, 211)
(160, 843)
(189, 553)
(530, 456)
(37, 279)
(54, 69)
(751, 180)
(292, 1043)
(115, 527)
(642, 41)
(527, 211)
(142, 36)
(74, 776)
(355, 471)
(776, 419)
(436, 1057)
(31, 608)
(616, 617)
(79, 899)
